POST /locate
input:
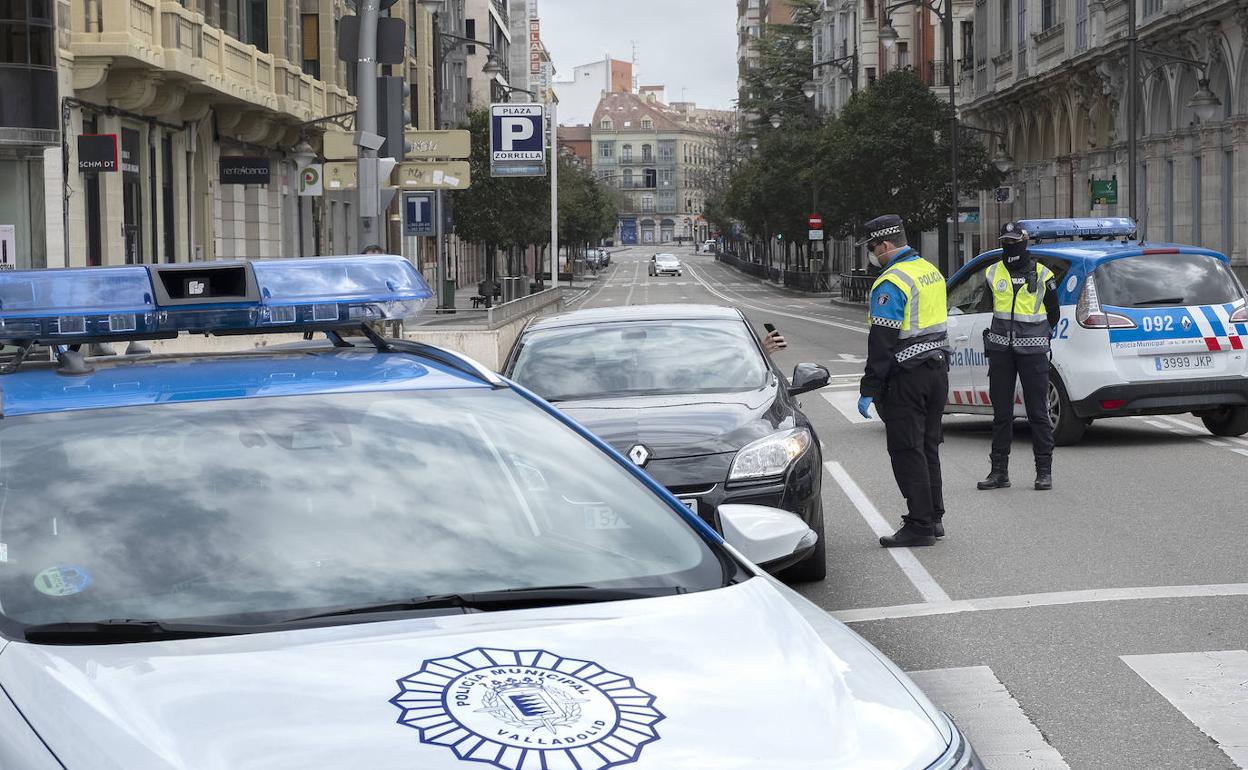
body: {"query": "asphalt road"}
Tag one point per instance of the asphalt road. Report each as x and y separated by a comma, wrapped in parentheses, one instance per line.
(1100, 625)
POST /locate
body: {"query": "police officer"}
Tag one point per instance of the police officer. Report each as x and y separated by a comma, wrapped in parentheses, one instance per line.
(907, 375)
(1017, 345)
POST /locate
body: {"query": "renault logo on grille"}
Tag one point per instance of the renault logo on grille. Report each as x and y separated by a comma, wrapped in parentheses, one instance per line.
(639, 455)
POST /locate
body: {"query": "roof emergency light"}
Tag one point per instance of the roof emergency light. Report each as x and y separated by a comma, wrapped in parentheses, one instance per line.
(78, 305)
(1080, 227)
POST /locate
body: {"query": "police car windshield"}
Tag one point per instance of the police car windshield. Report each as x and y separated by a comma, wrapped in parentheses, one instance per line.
(255, 511)
(639, 359)
(1153, 280)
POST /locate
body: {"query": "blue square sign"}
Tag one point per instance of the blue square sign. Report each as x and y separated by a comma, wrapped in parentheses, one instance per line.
(518, 139)
(418, 213)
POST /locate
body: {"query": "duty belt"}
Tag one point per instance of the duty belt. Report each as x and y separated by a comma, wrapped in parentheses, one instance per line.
(918, 348)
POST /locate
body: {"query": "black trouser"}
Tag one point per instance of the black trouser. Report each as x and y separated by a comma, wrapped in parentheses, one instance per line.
(912, 406)
(1004, 368)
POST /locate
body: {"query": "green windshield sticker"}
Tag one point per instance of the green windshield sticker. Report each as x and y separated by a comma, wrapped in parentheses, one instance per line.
(62, 581)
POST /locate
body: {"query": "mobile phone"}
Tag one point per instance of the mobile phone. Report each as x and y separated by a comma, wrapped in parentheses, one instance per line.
(769, 327)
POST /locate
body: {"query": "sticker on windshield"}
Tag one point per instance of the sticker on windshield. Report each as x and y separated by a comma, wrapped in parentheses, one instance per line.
(501, 706)
(603, 517)
(62, 581)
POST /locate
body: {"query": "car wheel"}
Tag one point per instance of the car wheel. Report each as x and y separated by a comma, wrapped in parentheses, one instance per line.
(815, 566)
(1227, 421)
(1067, 427)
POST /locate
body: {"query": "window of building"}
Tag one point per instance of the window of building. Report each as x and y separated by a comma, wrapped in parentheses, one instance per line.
(647, 202)
(628, 178)
(870, 75)
(667, 151)
(651, 178)
(311, 28)
(1022, 29)
(667, 177)
(606, 124)
(903, 54)
(1081, 25)
(1228, 202)
(868, 9)
(1170, 200)
(1152, 7)
(26, 33)
(626, 153)
(647, 124)
(1048, 13)
(980, 41)
(606, 150)
(647, 152)
(968, 45)
(470, 31)
(1197, 225)
(1007, 38)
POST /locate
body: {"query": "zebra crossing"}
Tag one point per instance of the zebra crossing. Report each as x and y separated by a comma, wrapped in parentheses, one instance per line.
(1208, 689)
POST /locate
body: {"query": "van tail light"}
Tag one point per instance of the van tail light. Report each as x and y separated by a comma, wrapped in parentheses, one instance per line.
(1090, 315)
(1240, 316)
(1113, 404)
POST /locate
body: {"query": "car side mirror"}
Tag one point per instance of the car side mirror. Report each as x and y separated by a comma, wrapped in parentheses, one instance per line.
(769, 537)
(808, 377)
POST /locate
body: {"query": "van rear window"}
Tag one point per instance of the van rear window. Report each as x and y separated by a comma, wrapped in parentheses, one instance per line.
(1163, 280)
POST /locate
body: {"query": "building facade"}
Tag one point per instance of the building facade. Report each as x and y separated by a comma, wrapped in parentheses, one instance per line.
(1053, 79)
(579, 95)
(490, 22)
(753, 16)
(29, 131)
(657, 158)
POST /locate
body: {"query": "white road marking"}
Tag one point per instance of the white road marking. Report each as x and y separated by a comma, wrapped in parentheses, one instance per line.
(1052, 599)
(860, 329)
(1209, 688)
(990, 717)
(1182, 426)
(631, 287)
(847, 405)
(850, 358)
(922, 580)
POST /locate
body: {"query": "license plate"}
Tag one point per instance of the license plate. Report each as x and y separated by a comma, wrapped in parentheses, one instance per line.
(1182, 363)
(690, 502)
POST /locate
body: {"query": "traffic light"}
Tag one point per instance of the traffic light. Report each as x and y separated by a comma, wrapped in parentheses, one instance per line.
(393, 115)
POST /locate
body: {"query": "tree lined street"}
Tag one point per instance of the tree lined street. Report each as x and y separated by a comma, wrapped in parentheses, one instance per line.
(1137, 552)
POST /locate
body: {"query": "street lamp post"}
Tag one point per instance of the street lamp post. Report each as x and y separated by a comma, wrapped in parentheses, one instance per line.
(888, 35)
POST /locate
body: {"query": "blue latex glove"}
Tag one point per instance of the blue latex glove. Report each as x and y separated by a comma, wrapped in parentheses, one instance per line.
(864, 406)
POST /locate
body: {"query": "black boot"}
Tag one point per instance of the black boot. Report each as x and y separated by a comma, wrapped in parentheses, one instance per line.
(907, 537)
(1044, 473)
(999, 476)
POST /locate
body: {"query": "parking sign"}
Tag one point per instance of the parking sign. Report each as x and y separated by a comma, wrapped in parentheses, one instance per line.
(517, 140)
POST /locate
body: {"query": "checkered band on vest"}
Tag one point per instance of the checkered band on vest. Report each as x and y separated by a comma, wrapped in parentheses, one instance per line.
(922, 347)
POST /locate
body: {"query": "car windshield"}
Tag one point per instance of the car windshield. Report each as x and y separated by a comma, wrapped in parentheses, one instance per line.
(666, 258)
(1152, 280)
(255, 511)
(640, 358)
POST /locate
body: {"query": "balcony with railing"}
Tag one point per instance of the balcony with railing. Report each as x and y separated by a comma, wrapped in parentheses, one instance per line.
(166, 37)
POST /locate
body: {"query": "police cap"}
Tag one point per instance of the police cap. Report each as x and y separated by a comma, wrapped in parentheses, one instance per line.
(1013, 231)
(880, 228)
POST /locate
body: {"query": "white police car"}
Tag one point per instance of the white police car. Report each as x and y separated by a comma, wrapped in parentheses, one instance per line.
(374, 553)
(1145, 329)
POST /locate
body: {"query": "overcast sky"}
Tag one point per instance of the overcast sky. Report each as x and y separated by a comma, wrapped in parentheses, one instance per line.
(687, 45)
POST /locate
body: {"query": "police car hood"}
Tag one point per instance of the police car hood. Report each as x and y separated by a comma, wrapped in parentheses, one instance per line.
(749, 677)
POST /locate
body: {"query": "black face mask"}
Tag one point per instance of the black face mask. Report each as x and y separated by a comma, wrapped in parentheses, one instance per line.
(1015, 255)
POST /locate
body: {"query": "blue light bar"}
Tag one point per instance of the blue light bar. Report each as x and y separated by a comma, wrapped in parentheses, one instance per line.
(64, 304)
(1082, 227)
(331, 290)
(151, 301)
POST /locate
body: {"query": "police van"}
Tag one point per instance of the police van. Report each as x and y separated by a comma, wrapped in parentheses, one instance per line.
(368, 552)
(1145, 329)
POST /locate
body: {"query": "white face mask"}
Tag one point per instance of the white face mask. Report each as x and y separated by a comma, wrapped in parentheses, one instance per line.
(874, 260)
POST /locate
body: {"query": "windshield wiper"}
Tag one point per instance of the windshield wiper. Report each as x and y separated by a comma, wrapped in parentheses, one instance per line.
(118, 631)
(1161, 301)
(494, 601)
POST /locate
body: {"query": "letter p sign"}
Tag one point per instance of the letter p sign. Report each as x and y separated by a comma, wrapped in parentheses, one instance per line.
(515, 131)
(517, 140)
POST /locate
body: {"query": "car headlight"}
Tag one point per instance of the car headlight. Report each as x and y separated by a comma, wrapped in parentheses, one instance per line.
(960, 755)
(770, 455)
